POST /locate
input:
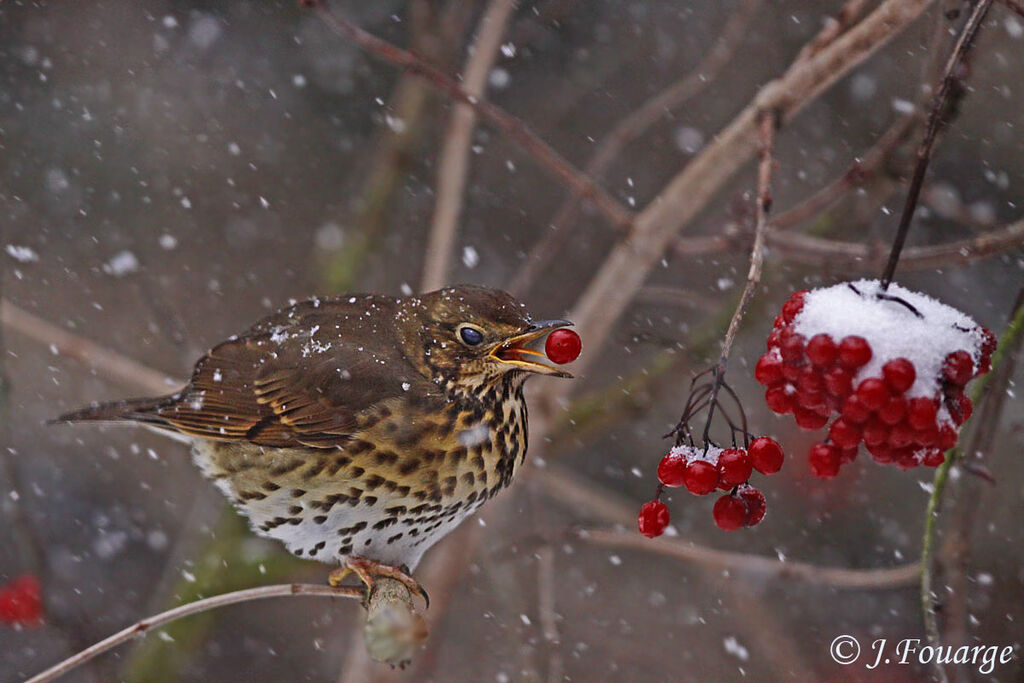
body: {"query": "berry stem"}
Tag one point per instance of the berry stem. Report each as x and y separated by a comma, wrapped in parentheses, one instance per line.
(952, 77)
(1002, 366)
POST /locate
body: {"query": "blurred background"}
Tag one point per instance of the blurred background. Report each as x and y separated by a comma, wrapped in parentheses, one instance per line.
(172, 170)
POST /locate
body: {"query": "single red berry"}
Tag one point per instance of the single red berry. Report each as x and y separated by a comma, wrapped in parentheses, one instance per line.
(809, 419)
(893, 411)
(899, 374)
(792, 348)
(812, 400)
(873, 393)
(21, 602)
(921, 412)
(671, 468)
(779, 400)
(810, 380)
(563, 346)
(960, 408)
(854, 352)
(774, 339)
(958, 368)
(653, 519)
(927, 437)
(793, 306)
(988, 341)
(766, 455)
(947, 437)
(906, 459)
(824, 460)
(854, 411)
(734, 467)
(729, 512)
(700, 477)
(875, 432)
(768, 370)
(822, 350)
(901, 435)
(848, 455)
(755, 503)
(933, 457)
(882, 453)
(844, 434)
(779, 322)
(791, 373)
(838, 381)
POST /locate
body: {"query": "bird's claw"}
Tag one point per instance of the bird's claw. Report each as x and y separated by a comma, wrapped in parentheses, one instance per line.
(366, 570)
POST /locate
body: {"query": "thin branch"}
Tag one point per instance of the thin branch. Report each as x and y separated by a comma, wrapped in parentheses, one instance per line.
(1007, 347)
(624, 271)
(542, 152)
(833, 28)
(453, 164)
(1015, 6)
(110, 363)
(818, 250)
(630, 128)
(760, 566)
(157, 620)
(953, 76)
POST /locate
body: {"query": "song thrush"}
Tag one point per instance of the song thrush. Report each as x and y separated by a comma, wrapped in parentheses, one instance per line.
(360, 429)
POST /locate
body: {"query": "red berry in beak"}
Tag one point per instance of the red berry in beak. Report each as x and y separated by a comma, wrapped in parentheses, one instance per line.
(563, 346)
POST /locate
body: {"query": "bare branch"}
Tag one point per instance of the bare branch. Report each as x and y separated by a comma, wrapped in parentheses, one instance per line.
(110, 363)
(453, 164)
(1015, 6)
(951, 77)
(630, 128)
(144, 626)
(625, 269)
(763, 567)
(515, 129)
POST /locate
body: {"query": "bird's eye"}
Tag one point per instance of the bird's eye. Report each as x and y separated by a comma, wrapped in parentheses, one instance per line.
(470, 336)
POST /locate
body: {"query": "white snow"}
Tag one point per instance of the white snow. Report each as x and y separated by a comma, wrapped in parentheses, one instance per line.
(21, 254)
(470, 257)
(691, 453)
(122, 263)
(892, 330)
(733, 647)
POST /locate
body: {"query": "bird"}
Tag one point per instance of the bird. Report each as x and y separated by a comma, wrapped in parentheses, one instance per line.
(360, 429)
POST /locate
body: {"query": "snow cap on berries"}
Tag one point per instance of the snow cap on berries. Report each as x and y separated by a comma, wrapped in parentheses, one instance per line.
(891, 329)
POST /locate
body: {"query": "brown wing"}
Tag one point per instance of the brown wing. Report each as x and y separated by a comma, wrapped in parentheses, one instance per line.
(302, 377)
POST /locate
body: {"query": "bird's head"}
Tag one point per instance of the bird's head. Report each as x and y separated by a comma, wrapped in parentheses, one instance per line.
(471, 337)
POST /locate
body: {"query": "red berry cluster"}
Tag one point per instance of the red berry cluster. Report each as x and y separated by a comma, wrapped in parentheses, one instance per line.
(702, 471)
(21, 602)
(819, 377)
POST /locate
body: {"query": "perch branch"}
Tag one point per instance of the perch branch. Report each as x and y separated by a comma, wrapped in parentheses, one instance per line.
(515, 129)
(453, 164)
(155, 621)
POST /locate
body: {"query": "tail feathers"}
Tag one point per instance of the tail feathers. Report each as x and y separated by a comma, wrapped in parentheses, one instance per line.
(131, 410)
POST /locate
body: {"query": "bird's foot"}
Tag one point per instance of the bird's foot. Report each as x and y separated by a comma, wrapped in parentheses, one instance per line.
(368, 570)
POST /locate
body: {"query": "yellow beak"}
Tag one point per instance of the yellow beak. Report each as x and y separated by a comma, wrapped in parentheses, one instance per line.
(514, 352)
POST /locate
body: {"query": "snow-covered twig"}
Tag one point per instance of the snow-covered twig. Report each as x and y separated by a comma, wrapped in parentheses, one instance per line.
(952, 76)
(1009, 345)
(511, 126)
(144, 626)
(453, 164)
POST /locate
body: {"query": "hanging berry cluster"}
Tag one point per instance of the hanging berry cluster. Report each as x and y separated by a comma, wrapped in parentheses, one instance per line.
(889, 364)
(705, 468)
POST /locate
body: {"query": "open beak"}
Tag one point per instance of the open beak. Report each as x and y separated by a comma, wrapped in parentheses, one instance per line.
(515, 350)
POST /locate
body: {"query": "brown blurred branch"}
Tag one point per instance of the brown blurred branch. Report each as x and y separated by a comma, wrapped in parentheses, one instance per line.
(630, 128)
(453, 164)
(110, 363)
(148, 624)
(515, 129)
(628, 265)
(766, 567)
(1015, 6)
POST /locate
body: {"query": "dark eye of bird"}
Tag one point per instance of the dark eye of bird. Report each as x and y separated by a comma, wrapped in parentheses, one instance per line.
(471, 336)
